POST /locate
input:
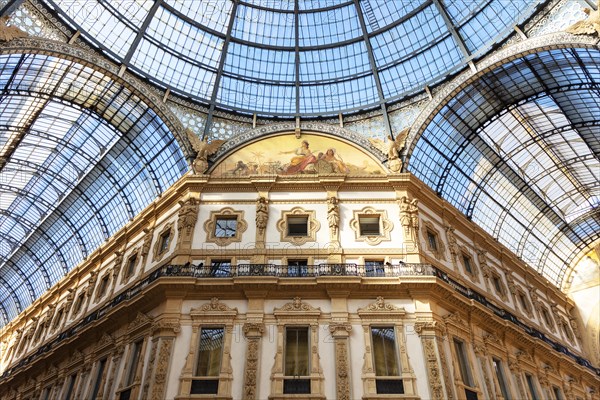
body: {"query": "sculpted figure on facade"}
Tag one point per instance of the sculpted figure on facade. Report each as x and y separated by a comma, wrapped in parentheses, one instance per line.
(333, 215)
(8, 33)
(188, 215)
(148, 233)
(204, 149)
(262, 214)
(590, 25)
(392, 147)
(452, 242)
(409, 217)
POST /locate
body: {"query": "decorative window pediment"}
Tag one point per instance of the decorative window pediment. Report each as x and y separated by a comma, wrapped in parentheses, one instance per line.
(163, 242)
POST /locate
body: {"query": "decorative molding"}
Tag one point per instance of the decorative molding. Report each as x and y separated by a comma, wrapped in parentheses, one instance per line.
(157, 254)
(214, 306)
(385, 226)
(409, 219)
(227, 212)
(296, 306)
(187, 217)
(253, 332)
(140, 322)
(313, 226)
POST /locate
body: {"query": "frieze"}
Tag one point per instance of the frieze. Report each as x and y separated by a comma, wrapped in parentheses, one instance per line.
(213, 306)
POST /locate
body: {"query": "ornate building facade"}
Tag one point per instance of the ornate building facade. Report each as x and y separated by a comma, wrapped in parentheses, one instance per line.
(167, 232)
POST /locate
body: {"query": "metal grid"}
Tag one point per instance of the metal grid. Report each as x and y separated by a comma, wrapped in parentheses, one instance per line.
(72, 176)
(518, 151)
(294, 58)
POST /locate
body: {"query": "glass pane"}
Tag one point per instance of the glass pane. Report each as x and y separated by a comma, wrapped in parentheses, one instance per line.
(210, 351)
(462, 362)
(296, 351)
(384, 351)
(225, 227)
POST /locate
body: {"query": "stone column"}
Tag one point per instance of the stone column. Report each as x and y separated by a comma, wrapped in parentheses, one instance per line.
(431, 333)
(164, 334)
(340, 331)
(253, 332)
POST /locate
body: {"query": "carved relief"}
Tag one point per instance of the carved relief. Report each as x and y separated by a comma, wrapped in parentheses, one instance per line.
(162, 366)
(333, 217)
(262, 214)
(253, 333)
(433, 372)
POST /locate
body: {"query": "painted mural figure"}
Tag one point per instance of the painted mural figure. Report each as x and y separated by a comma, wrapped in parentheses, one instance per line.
(335, 161)
(304, 157)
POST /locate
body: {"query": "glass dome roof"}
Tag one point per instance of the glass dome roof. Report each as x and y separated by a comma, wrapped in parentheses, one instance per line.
(294, 57)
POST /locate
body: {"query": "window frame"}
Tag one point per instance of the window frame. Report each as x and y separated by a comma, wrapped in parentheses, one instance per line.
(377, 315)
(385, 226)
(429, 232)
(214, 314)
(161, 249)
(228, 213)
(312, 226)
(131, 265)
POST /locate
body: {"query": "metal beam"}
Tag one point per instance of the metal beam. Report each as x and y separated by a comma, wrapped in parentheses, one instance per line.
(10, 7)
(215, 92)
(141, 31)
(374, 71)
(452, 29)
(297, 55)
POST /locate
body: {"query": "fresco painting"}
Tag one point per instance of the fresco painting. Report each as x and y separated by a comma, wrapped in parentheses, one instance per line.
(287, 155)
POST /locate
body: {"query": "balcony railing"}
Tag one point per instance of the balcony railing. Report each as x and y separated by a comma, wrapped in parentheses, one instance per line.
(296, 271)
(290, 271)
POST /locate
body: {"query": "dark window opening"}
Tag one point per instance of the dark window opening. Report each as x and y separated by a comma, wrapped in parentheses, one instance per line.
(297, 226)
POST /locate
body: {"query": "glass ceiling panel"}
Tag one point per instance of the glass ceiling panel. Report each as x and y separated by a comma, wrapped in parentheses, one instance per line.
(273, 43)
(523, 163)
(75, 176)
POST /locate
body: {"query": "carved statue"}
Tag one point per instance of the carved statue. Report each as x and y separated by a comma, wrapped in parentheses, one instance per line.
(262, 214)
(392, 148)
(588, 26)
(8, 33)
(452, 242)
(204, 149)
(188, 215)
(333, 214)
(148, 232)
(409, 217)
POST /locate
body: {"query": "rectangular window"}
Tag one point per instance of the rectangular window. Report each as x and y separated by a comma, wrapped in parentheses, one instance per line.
(78, 304)
(567, 330)
(369, 226)
(385, 360)
(546, 317)
(432, 240)
(134, 362)
(524, 302)
(103, 287)
(499, 369)
(497, 284)
(208, 362)
(467, 263)
(165, 239)
(70, 387)
(98, 380)
(531, 386)
(58, 319)
(463, 362)
(225, 227)
(220, 267)
(296, 361)
(297, 225)
(130, 266)
(374, 268)
(557, 393)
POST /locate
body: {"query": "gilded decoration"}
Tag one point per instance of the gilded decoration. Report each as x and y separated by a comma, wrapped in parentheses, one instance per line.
(203, 150)
(169, 231)
(286, 155)
(210, 226)
(590, 25)
(392, 148)
(312, 226)
(385, 226)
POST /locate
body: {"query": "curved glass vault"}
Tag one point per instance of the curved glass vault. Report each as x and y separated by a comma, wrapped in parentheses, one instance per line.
(518, 152)
(294, 57)
(80, 155)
